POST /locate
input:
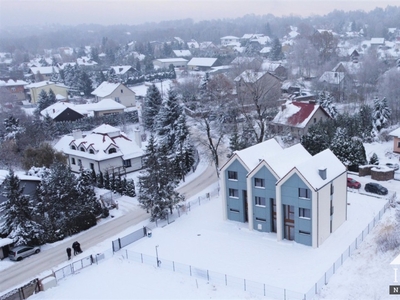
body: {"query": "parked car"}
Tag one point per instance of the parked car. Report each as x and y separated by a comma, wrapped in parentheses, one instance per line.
(393, 166)
(20, 252)
(354, 184)
(375, 188)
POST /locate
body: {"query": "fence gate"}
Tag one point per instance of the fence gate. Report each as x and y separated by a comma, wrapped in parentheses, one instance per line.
(23, 292)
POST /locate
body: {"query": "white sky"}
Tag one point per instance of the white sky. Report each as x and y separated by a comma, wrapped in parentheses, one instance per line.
(108, 12)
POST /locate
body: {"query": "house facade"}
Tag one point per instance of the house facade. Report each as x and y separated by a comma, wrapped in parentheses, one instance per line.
(296, 117)
(164, 63)
(303, 199)
(106, 148)
(34, 89)
(15, 87)
(116, 91)
(396, 140)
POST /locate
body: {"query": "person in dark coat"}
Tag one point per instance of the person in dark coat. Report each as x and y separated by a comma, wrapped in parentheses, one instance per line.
(74, 246)
(78, 247)
(69, 253)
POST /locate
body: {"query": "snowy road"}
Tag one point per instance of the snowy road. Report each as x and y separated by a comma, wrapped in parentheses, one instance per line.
(28, 269)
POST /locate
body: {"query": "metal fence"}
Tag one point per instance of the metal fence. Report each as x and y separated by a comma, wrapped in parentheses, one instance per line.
(78, 265)
(129, 239)
(346, 254)
(23, 292)
(256, 288)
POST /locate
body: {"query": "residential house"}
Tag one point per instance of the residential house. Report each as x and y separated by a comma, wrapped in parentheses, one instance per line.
(104, 107)
(42, 73)
(275, 68)
(106, 148)
(296, 117)
(202, 63)
(116, 91)
(285, 191)
(396, 140)
(63, 111)
(15, 87)
(265, 84)
(164, 63)
(33, 90)
(123, 72)
(229, 40)
(335, 83)
(182, 53)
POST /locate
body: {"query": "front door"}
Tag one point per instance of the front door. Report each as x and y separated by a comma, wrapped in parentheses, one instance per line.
(289, 222)
(246, 217)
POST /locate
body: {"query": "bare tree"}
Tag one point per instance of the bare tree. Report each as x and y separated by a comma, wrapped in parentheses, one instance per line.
(389, 87)
(258, 93)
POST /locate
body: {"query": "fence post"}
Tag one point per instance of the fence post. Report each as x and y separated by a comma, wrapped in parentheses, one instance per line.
(208, 276)
(226, 280)
(190, 268)
(126, 251)
(173, 265)
(284, 294)
(199, 201)
(325, 279)
(244, 281)
(141, 257)
(341, 259)
(119, 243)
(264, 290)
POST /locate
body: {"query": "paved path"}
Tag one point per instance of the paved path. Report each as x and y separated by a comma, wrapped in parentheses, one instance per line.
(27, 269)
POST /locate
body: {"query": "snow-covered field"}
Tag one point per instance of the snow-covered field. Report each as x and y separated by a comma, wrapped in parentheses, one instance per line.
(202, 239)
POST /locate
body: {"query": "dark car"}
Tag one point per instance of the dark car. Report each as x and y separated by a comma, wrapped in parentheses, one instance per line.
(354, 184)
(375, 188)
(393, 166)
(20, 252)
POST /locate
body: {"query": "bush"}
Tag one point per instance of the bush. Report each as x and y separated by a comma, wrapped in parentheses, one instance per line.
(388, 238)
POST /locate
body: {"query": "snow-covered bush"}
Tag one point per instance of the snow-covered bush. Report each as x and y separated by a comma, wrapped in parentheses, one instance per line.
(389, 236)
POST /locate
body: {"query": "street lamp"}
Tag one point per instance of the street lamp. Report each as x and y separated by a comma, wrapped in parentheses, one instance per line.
(158, 261)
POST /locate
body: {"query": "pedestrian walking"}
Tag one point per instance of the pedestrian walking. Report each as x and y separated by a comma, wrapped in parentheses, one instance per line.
(78, 248)
(69, 253)
(74, 246)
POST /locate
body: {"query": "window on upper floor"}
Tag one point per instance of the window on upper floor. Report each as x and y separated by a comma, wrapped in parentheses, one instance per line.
(260, 201)
(304, 232)
(117, 99)
(82, 149)
(73, 147)
(127, 163)
(305, 213)
(232, 175)
(112, 150)
(122, 91)
(304, 193)
(234, 193)
(259, 182)
(91, 151)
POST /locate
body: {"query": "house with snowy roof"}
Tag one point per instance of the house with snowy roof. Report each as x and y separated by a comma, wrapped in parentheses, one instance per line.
(33, 90)
(123, 72)
(229, 40)
(182, 53)
(106, 148)
(62, 111)
(296, 117)
(42, 73)
(116, 91)
(16, 88)
(285, 191)
(164, 63)
(202, 63)
(396, 140)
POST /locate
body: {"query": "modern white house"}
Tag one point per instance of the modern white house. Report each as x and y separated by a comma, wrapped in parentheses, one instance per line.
(106, 148)
(285, 191)
(116, 91)
(164, 63)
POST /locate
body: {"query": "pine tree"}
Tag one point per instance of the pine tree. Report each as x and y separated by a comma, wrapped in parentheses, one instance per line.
(17, 214)
(374, 160)
(276, 50)
(112, 75)
(381, 114)
(12, 128)
(42, 102)
(151, 108)
(317, 138)
(85, 83)
(107, 180)
(184, 150)
(129, 189)
(341, 146)
(167, 118)
(326, 102)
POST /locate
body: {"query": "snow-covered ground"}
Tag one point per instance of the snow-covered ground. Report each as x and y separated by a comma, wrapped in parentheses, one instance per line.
(202, 239)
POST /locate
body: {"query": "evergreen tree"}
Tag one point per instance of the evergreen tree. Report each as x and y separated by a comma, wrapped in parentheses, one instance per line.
(318, 137)
(341, 146)
(87, 202)
(112, 75)
(381, 114)
(326, 102)
(167, 119)
(156, 188)
(365, 121)
(107, 181)
(276, 50)
(17, 214)
(151, 108)
(55, 76)
(42, 102)
(374, 160)
(100, 180)
(51, 98)
(129, 188)
(85, 83)
(12, 128)
(184, 151)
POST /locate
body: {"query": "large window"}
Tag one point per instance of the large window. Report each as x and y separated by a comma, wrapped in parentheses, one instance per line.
(304, 193)
(259, 182)
(233, 193)
(73, 161)
(232, 175)
(260, 201)
(304, 213)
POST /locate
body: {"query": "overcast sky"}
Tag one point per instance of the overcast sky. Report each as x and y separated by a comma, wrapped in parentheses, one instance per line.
(107, 12)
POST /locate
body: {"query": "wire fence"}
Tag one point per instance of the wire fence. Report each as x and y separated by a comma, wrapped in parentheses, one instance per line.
(22, 292)
(253, 287)
(346, 254)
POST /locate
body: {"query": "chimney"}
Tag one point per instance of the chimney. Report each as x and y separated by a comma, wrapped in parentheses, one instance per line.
(77, 134)
(322, 172)
(138, 138)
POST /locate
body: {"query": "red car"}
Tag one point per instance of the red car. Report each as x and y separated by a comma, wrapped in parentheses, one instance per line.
(351, 183)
